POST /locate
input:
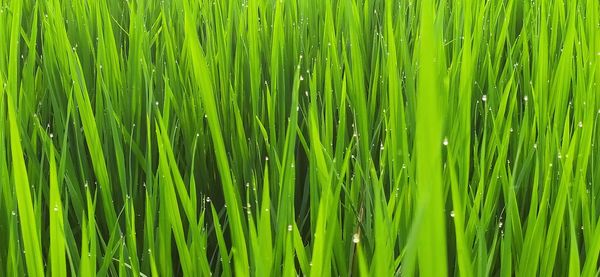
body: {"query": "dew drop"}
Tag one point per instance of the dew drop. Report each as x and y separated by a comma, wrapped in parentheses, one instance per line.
(290, 228)
(356, 238)
(580, 124)
(525, 98)
(445, 142)
(484, 98)
(451, 213)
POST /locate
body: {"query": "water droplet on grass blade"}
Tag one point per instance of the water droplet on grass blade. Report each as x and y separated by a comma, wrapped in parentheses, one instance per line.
(484, 98)
(580, 124)
(356, 238)
(445, 142)
(452, 214)
(290, 228)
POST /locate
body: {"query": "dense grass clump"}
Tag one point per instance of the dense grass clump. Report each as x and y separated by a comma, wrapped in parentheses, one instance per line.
(299, 137)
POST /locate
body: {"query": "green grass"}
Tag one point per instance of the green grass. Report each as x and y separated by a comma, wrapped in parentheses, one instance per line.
(299, 137)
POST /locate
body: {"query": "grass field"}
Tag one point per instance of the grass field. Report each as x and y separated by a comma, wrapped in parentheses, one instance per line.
(299, 137)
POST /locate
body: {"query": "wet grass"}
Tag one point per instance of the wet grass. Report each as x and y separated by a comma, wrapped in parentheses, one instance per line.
(309, 137)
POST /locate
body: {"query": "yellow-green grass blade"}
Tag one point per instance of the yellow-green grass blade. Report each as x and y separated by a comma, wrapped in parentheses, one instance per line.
(432, 232)
(57, 236)
(29, 230)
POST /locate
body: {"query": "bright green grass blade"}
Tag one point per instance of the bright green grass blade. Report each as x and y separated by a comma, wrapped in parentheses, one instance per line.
(55, 209)
(29, 231)
(432, 238)
(223, 252)
(31, 240)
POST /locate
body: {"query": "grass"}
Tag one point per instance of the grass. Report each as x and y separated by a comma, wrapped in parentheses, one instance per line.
(313, 138)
